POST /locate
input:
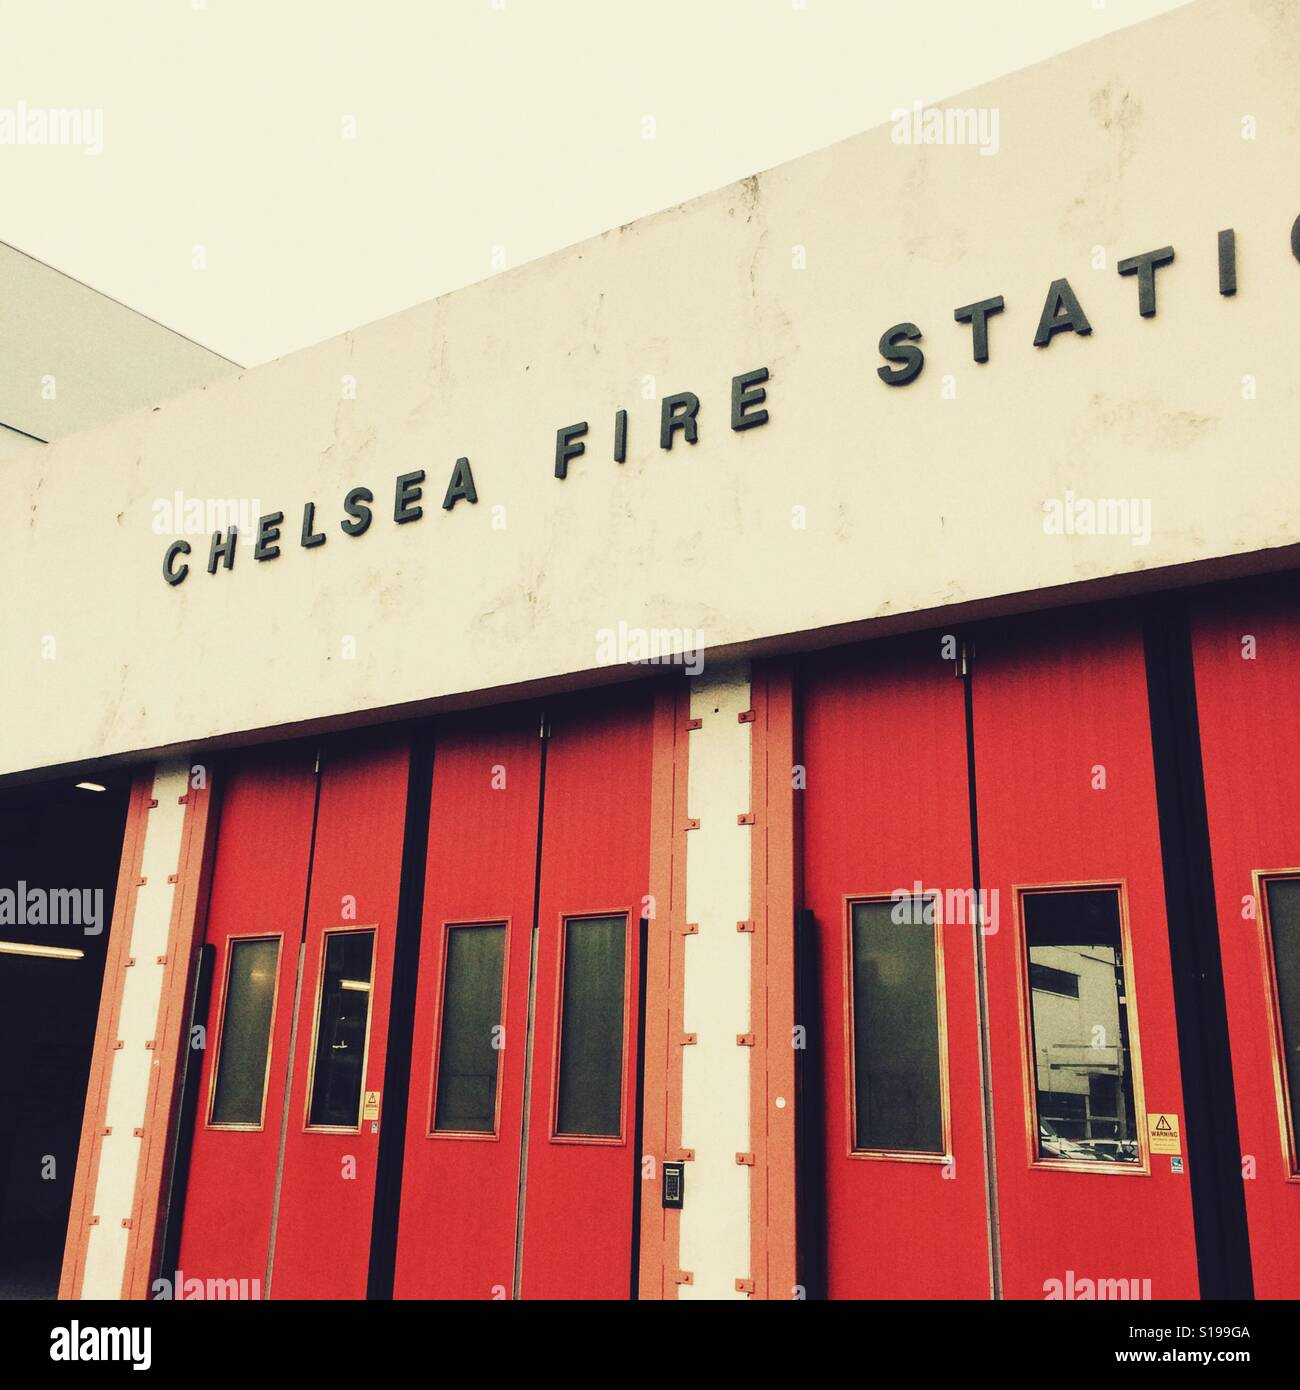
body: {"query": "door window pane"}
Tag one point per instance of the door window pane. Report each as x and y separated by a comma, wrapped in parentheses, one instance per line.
(1284, 928)
(897, 1076)
(240, 1089)
(590, 1091)
(1079, 1016)
(341, 1024)
(471, 1016)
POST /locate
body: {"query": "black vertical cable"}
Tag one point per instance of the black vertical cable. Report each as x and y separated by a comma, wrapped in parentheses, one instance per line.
(992, 1213)
(1200, 1007)
(401, 1021)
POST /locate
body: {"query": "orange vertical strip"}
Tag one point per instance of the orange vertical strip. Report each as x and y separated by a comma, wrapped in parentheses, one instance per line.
(773, 1224)
(101, 1065)
(676, 1140)
(661, 1125)
(655, 1042)
(184, 936)
(677, 979)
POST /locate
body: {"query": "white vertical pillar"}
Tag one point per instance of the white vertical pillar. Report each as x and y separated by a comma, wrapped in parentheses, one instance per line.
(132, 1064)
(715, 1236)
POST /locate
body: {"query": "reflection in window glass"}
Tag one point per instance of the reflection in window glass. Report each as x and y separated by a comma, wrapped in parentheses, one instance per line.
(471, 1015)
(341, 1030)
(896, 1065)
(590, 1092)
(240, 1089)
(1284, 927)
(1083, 1067)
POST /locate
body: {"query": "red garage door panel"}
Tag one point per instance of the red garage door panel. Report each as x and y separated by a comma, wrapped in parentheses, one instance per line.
(581, 1167)
(461, 1172)
(1082, 1010)
(886, 808)
(1247, 656)
(322, 1238)
(259, 886)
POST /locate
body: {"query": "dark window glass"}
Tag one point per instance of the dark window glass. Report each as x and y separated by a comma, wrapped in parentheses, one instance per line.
(341, 1029)
(471, 1015)
(1083, 1067)
(1053, 981)
(1284, 927)
(1064, 1112)
(238, 1095)
(590, 1097)
(1104, 1099)
(896, 1064)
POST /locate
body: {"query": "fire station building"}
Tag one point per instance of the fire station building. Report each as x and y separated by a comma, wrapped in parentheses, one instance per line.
(757, 756)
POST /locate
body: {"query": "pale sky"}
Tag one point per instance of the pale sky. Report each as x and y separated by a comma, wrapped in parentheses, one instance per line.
(338, 161)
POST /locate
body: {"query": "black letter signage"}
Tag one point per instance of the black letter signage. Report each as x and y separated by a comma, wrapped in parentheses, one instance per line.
(746, 392)
(172, 575)
(977, 315)
(670, 421)
(223, 550)
(461, 485)
(355, 506)
(895, 346)
(1062, 313)
(407, 496)
(1144, 267)
(568, 445)
(268, 533)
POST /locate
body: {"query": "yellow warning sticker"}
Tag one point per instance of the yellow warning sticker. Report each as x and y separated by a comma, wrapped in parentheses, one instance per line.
(370, 1107)
(1164, 1134)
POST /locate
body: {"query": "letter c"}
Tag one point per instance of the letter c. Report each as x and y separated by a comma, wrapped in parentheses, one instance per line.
(172, 575)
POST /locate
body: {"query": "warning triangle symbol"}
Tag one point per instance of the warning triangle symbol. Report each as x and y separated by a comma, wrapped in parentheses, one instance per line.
(1163, 1126)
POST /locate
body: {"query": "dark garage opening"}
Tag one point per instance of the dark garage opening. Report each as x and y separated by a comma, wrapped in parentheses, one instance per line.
(60, 846)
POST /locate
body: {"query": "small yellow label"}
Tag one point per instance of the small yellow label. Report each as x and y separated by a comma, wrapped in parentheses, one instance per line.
(1164, 1133)
(370, 1106)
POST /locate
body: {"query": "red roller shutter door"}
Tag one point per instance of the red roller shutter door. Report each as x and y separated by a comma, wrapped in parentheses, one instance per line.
(1246, 648)
(885, 808)
(1066, 801)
